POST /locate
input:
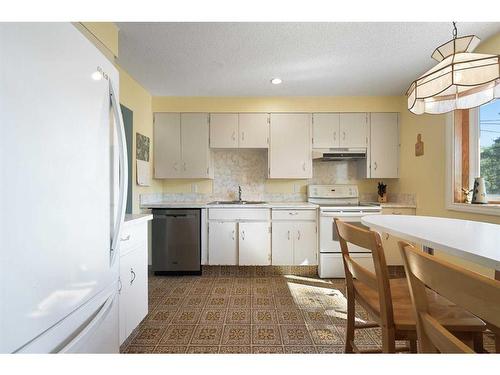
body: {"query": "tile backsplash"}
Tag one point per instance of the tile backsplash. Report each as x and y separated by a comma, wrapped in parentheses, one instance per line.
(248, 168)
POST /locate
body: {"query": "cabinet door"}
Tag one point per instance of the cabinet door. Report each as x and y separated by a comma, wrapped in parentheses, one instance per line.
(124, 298)
(282, 243)
(222, 243)
(167, 145)
(138, 286)
(195, 148)
(326, 130)
(305, 244)
(353, 130)
(254, 130)
(384, 145)
(223, 130)
(290, 146)
(254, 244)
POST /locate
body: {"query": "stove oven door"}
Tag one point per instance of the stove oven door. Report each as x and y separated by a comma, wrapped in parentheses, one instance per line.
(328, 236)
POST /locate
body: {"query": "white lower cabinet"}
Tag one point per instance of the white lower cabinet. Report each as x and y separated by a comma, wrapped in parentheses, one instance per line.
(294, 242)
(305, 244)
(282, 243)
(222, 243)
(239, 237)
(133, 300)
(254, 244)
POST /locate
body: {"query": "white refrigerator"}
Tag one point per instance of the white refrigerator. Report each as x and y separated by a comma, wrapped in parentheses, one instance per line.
(63, 190)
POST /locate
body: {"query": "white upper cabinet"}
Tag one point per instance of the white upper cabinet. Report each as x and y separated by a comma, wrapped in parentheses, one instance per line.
(181, 148)
(353, 130)
(384, 146)
(254, 130)
(243, 130)
(290, 148)
(167, 145)
(194, 146)
(326, 128)
(224, 130)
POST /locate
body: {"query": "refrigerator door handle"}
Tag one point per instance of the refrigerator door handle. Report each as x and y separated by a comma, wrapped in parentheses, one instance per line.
(98, 316)
(123, 171)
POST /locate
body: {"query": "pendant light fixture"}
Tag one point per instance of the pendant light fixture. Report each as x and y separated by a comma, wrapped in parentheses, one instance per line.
(460, 80)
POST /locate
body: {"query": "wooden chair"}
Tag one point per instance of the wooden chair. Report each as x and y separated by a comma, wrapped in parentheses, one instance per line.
(474, 292)
(388, 301)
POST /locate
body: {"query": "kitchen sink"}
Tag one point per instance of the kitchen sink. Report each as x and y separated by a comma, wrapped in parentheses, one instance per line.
(237, 202)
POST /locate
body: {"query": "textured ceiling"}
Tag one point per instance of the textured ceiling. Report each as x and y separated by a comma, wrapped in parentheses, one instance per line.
(239, 59)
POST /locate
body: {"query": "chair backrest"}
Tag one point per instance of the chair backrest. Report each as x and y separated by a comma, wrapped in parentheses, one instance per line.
(378, 281)
(475, 293)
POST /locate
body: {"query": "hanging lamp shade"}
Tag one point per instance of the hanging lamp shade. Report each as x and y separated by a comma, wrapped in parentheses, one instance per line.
(460, 80)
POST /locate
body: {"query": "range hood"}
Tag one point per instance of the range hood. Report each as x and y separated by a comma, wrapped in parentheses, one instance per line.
(333, 154)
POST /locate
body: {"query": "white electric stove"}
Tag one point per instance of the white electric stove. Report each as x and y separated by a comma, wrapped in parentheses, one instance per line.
(339, 201)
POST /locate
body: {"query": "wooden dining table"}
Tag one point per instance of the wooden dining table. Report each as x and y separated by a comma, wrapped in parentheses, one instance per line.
(474, 241)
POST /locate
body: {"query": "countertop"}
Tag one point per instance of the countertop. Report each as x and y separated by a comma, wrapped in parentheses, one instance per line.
(275, 205)
(474, 241)
(137, 218)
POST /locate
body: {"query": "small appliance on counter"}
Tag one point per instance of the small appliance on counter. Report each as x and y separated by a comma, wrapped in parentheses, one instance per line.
(176, 241)
(479, 191)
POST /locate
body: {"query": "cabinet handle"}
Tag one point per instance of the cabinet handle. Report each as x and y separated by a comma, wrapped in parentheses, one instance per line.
(243, 235)
(234, 136)
(288, 235)
(396, 213)
(119, 285)
(293, 213)
(334, 136)
(304, 166)
(375, 166)
(298, 235)
(343, 136)
(232, 235)
(176, 168)
(184, 165)
(125, 238)
(132, 273)
(242, 136)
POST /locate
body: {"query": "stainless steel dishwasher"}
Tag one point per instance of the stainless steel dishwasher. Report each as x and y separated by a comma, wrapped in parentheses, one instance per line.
(176, 241)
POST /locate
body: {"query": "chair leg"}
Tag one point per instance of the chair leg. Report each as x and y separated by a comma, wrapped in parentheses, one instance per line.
(349, 332)
(413, 345)
(477, 342)
(388, 340)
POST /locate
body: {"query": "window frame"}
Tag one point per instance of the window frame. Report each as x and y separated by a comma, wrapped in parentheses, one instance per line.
(474, 166)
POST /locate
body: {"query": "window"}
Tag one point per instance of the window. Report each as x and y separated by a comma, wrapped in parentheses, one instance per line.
(489, 148)
(473, 149)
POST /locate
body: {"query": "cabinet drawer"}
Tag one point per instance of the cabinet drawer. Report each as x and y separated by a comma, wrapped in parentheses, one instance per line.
(398, 211)
(133, 236)
(294, 214)
(238, 214)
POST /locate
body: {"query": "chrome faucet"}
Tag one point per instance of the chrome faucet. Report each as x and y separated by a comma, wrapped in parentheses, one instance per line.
(239, 193)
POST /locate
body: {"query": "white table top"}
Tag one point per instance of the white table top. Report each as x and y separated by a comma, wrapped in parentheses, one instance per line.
(475, 241)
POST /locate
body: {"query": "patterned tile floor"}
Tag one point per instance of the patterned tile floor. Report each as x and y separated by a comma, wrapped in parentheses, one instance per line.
(246, 314)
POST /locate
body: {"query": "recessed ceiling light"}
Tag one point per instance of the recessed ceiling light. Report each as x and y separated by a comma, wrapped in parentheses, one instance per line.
(276, 81)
